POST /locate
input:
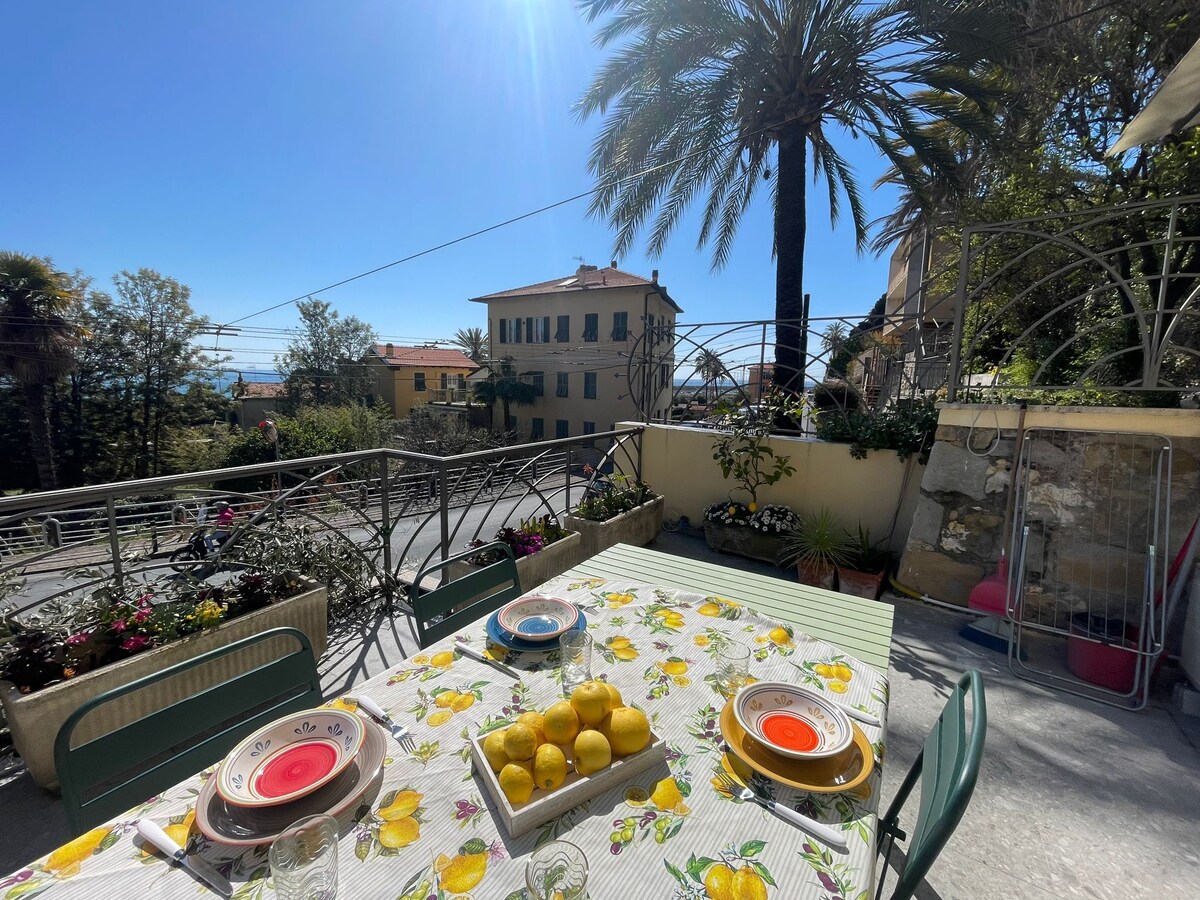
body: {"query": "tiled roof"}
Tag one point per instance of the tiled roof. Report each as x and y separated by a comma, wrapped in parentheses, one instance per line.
(262, 390)
(424, 356)
(593, 279)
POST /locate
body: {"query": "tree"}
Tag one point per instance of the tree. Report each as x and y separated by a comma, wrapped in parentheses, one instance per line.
(699, 95)
(324, 364)
(472, 342)
(503, 386)
(710, 367)
(37, 343)
(833, 338)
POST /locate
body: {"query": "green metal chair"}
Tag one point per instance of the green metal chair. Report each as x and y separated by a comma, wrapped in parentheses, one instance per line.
(947, 767)
(448, 608)
(111, 773)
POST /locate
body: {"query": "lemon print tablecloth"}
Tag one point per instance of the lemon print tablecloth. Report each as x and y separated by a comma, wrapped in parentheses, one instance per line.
(427, 834)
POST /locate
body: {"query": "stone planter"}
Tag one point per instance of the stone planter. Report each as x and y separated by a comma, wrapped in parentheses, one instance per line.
(35, 719)
(639, 527)
(860, 584)
(539, 567)
(743, 541)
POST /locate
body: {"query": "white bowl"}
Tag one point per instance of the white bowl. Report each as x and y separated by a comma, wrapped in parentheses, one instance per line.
(290, 758)
(792, 721)
(538, 619)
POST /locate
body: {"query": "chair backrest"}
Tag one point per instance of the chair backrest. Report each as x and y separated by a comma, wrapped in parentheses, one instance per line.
(115, 771)
(464, 599)
(947, 767)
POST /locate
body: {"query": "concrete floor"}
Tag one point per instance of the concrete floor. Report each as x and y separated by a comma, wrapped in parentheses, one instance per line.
(1075, 799)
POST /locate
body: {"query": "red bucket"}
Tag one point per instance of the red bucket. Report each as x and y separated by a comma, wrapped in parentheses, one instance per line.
(1112, 664)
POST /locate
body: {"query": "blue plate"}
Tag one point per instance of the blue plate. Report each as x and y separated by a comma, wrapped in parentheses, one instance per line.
(501, 638)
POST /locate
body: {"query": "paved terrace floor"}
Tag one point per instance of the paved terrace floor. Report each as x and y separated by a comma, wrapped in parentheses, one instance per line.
(1075, 799)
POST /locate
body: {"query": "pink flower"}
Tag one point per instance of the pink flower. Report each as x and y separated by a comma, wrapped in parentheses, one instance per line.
(144, 600)
(80, 637)
(142, 615)
(135, 644)
(118, 626)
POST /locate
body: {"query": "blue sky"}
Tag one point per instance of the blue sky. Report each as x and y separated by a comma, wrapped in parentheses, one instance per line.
(258, 151)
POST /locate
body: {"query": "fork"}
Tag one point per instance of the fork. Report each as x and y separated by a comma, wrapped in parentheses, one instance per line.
(402, 735)
(816, 829)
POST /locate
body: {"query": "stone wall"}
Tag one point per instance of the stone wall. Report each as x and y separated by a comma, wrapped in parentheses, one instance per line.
(1087, 505)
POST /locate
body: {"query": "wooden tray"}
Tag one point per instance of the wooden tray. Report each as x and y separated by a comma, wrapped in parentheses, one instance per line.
(543, 807)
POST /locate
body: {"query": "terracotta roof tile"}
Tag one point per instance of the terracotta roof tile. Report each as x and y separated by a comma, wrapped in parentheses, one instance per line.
(594, 279)
(263, 390)
(424, 356)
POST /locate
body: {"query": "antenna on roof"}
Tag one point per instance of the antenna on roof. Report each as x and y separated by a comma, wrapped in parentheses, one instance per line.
(580, 260)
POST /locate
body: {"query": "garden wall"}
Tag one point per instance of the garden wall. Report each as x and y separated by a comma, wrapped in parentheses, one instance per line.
(678, 463)
(956, 537)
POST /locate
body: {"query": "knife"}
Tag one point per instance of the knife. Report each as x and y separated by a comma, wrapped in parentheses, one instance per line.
(466, 650)
(865, 717)
(195, 866)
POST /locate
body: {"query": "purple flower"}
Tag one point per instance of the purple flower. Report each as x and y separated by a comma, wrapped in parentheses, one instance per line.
(118, 626)
(135, 644)
(142, 615)
(80, 637)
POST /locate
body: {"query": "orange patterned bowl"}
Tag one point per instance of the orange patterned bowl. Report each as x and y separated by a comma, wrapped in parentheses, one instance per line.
(793, 721)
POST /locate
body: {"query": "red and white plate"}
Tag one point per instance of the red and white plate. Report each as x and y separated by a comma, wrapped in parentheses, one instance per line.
(792, 720)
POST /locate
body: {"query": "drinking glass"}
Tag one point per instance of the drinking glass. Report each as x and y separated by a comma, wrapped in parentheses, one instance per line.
(557, 869)
(733, 665)
(304, 860)
(576, 649)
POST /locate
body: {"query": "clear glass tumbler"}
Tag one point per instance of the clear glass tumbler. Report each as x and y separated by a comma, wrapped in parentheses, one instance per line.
(733, 665)
(304, 860)
(557, 869)
(576, 650)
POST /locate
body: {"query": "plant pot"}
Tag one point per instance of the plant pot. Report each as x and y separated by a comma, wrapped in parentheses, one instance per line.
(540, 567)
(34, 719)
(639, 526)
(860, 584)
(742, 540)
(816, 574)
(1112, 664)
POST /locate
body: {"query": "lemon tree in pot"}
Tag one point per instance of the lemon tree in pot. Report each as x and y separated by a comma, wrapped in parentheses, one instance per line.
(817, 547)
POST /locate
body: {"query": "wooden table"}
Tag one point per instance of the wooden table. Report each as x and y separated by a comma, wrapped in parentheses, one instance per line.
(863, 628)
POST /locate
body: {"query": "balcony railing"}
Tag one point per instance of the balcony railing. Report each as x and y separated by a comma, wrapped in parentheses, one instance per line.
(387, 512)
(449, 395)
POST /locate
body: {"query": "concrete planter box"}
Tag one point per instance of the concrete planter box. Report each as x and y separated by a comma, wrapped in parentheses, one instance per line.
(539, 567)
(743, 540)
(35, 719)
(638, 527)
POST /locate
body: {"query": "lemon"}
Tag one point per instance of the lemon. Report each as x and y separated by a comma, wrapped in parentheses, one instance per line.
(517, 783)
(747, 885)
(591, 702)
(445, 699)
(442, 660)
(560, 724)
(404, 804)
(520, 742)
(526, 764)
(493, 750)
(625, 653)
(838, 687)
(824, 670)
(66, 860)
(399, 833)
(843, 673)
(617, 643)
(441, 717)
(549, 767)
(349, 704)
(666, 794)
(718, 883)
(673, 666)
(535, 721)
(628, 730)
(465, 871)
(592, 752)
(780, 635)
(615, 696)
(709, 609)
(462, 702)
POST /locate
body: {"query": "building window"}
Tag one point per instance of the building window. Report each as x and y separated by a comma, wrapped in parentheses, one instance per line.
(537, 329)
(462, 381)
(620, 326)
(589, 385)
(563, 334)
(591, 327)
(510, 331)
(562, 428)
(664, 372)
(537, 428)
(538, 380)
(589, 428)
(563, 385)
(444, 380)
(418, 381)
(503, 338)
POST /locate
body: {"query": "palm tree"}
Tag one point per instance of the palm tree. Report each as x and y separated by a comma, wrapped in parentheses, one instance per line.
(473, 343)
(710, 367)
(37, 343)
(506, 388)
(698, 95)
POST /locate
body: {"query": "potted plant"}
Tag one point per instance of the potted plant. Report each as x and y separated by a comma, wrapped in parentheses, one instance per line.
(865, 568)
(542, 547)
(817, 548)
(628, 512)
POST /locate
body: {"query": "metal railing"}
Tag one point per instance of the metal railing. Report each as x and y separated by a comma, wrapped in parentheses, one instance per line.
(394, 510)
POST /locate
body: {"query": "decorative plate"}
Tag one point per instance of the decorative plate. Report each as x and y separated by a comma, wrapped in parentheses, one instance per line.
(538, 619)
(290, 757)
(793, 721)
(829, 775)
(241, 826)
(501, 638)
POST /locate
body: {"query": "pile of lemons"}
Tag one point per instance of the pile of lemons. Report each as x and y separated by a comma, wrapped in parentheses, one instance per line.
(591, 728)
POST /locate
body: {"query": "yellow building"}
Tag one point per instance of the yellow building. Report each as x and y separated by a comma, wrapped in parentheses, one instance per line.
(408, 377)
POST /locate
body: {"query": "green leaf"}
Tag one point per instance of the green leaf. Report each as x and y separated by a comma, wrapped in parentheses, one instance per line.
(763, 873)
(751, 848)
(678, 876)
(696, 867)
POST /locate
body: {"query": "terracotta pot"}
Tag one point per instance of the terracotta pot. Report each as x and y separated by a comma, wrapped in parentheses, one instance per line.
(860, 584)
(816, 574)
